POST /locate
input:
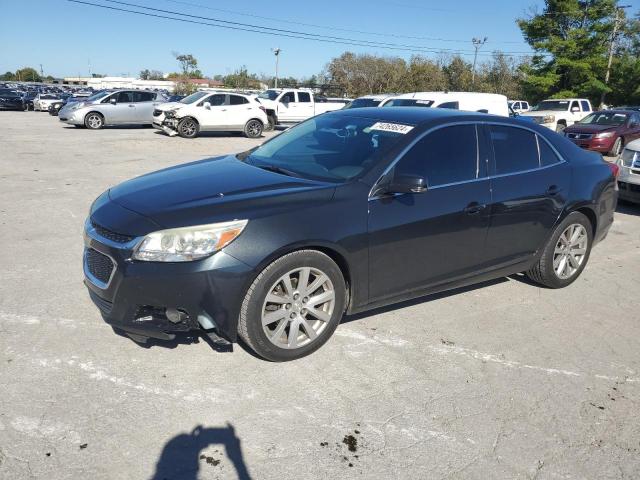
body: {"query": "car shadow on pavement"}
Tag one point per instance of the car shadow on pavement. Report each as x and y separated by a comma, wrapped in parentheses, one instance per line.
(423, 299)
(628, 208)
(182, 457)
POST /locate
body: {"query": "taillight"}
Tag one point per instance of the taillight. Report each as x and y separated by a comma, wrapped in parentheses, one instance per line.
(615, 169)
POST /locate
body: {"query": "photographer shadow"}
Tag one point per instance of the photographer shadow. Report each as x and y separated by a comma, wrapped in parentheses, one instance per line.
(181, 456)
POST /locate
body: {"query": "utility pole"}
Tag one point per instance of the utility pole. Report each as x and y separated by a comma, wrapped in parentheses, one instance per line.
(612, 44)
(41, 72)
(276, 52)
(477, 43)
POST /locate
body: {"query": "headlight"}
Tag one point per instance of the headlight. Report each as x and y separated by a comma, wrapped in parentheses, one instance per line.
(604, 135)
(549, 119)
(188, 243)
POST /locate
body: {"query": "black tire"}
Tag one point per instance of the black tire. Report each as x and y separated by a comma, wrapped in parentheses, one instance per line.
(560, 127)
(543, 271)
(617, 147)
(253, 128)
(250, 321)
(188, 128)
(271, 123)
(94, 121)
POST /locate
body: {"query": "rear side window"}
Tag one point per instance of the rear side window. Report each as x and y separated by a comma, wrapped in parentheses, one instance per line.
(451, 105)
(525, 105)
(448, 155)
(547, 155)
(304, 97)
(237, 100)
(585, 106)
(515, 149)
(143, 96)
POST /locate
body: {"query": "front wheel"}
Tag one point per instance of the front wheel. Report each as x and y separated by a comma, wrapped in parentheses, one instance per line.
(566, 254)
(293, 306)
(188, 128)
(94, 121)
(253, 128)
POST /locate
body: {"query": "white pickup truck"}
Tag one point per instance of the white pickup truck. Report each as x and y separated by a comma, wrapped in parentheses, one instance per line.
(558, 114)
(288, 105)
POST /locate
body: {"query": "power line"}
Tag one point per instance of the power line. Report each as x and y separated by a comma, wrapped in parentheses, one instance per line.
(229, 25)
(326, 27)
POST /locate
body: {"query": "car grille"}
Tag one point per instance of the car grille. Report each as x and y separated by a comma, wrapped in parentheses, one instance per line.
(113, 236)
(99, 265)
(103, 305)
(580, 136)
(157, 113)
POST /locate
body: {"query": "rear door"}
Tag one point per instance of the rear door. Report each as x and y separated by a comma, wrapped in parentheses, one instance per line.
(529, 185)
(422, 239)
(145, 103)
(238, 111)
(305, 108)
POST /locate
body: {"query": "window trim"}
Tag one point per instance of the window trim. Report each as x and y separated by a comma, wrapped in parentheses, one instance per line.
(489, 176)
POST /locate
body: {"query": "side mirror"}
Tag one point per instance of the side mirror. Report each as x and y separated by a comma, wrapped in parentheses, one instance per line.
(406, 184)
(575, 110)
(113, 100)
(207, 105)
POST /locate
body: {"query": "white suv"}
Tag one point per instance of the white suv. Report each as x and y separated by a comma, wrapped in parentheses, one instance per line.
(629, 175)
(558, 114)
(211, 111)
(519, 106)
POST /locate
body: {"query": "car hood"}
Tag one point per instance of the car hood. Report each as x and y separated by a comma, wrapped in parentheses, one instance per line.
(542, 113)
(587, 128)
(170, 106)
(212, 190)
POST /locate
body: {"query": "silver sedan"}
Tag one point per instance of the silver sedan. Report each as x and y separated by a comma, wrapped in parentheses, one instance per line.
(120, 107)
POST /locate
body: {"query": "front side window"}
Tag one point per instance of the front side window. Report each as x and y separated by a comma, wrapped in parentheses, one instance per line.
(332, 148)
(304, 97)
(125, 97)
(215, 100)
(237, 100)
(447, 155)
(575, 104)
(289, 97)
(515, 149)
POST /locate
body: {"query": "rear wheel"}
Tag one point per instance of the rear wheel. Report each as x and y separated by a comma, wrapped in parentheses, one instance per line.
(253, 128)
(94, 121)
(566, 254)
(188, 128)
(293, 306)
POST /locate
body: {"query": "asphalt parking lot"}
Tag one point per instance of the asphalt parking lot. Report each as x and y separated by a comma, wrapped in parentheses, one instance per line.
(502, 380)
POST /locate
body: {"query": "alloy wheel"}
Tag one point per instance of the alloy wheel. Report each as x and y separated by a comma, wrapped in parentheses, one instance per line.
(94, 121)
(254, 129)
(188, 128)
(298, 307)
(570, 251)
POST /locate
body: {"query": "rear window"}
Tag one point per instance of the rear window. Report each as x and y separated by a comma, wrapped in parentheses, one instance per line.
(515, 149)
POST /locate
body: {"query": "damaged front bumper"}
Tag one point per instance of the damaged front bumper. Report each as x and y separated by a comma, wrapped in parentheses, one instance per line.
(168, 124)
(157, 300)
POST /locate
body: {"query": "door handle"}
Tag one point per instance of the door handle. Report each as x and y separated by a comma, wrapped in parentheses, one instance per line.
(553, 190)
(223, 109)
(132, 106)
(473, 208)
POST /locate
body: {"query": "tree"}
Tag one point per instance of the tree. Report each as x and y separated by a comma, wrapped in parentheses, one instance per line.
(241, 78)
(459, 74)
(571, 40)
(147, 74)
(188, 64)
(7, 76)
(27, 74)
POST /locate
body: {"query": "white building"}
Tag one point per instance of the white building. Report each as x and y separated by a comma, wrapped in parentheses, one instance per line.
(120, 82)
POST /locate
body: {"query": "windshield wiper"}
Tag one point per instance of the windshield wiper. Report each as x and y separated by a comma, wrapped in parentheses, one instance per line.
(276, 169)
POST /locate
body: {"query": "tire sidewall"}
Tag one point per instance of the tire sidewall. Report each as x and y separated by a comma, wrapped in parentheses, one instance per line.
(574, 217)
(195, 132)
(253, 303)
(617, 147)
(86, 121)
(246, 128)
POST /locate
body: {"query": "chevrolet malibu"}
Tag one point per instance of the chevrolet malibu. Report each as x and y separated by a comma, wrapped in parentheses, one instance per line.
(345, 212)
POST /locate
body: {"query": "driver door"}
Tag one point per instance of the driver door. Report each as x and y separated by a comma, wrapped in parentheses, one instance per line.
(287, 107)
(417, 240)
(123, 111)
(213, 116)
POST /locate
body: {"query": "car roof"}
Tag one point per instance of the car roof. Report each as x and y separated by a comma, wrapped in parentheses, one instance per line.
(426, 95)
(411, 115)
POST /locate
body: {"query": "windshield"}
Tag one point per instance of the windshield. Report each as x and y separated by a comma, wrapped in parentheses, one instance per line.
(556, 105)
(194, 97)
(8, 93)
(604, 118)
(269, 94)
(97, 96)
(328, 147)
(362, 102)
(48, 97)
(408, 102)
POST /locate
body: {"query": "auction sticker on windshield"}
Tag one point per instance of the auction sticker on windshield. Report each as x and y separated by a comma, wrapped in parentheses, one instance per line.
(391, 127)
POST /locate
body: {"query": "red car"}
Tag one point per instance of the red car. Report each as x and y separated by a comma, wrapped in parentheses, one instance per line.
(606, 131)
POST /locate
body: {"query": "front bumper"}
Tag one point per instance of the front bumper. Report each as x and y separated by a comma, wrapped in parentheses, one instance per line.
(602, 145)
(142, 298)
(629, 191)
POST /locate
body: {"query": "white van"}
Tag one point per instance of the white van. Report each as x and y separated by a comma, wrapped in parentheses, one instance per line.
(468, 101)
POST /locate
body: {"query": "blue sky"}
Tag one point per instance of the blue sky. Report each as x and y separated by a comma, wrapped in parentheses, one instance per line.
(64, 37)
